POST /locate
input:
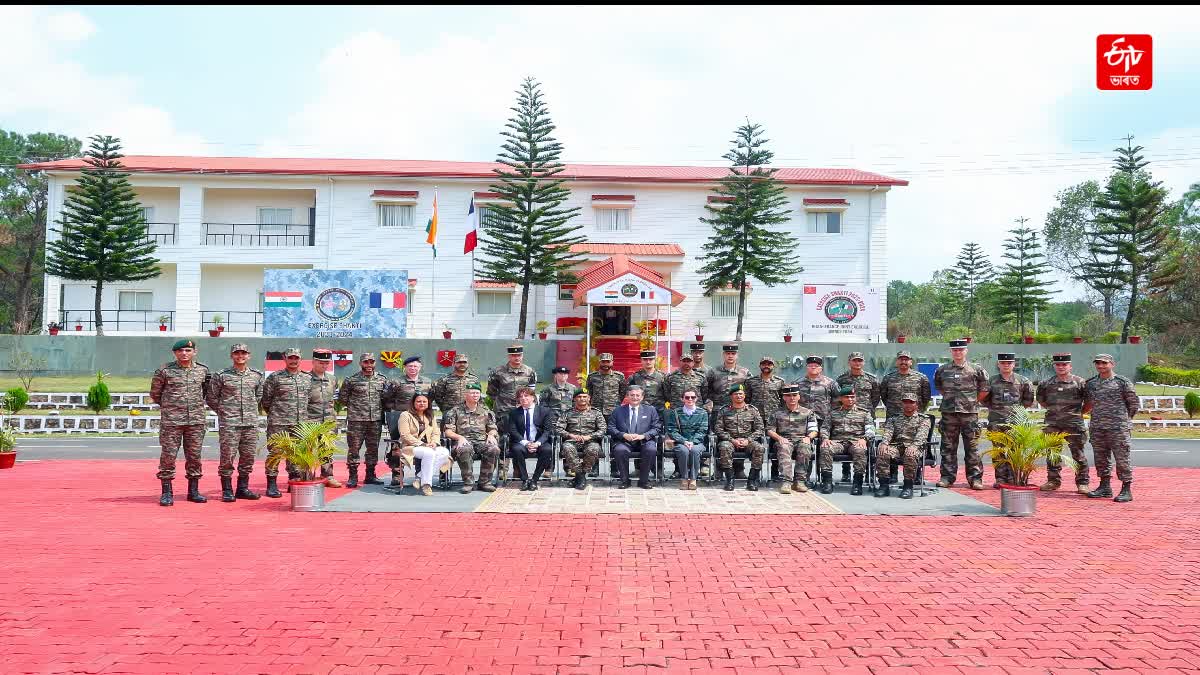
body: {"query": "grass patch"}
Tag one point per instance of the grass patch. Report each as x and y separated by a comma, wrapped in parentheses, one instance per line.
(55, 384)
(1170, 432)
(1150, 390)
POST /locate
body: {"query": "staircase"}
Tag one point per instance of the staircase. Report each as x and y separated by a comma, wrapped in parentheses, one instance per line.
(626, 353)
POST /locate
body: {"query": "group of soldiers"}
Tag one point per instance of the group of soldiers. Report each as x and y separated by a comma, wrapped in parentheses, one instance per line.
(813, 417)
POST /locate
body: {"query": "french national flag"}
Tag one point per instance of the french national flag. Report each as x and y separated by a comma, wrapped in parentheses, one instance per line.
(389, 300)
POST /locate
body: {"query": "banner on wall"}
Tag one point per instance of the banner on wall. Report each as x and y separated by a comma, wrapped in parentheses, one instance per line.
(335, 303)
(629, 289)
(840, 310)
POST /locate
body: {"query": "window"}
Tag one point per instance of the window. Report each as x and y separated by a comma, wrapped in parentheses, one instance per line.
(612, 220)
(261, 297)
(724, 304)
(396, 215)
(494, 303)
(487, 218)
(147, 214)
(276, 220)
(566, 291)
(135, 300)
(825, 222)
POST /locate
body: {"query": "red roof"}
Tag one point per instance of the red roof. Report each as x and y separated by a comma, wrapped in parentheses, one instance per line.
(719, 199)
(627, 249)
(443, 169)
(492, 284)
(487, 195)
(395, 193)
(606, 270)
(817, 202)
(613, 198)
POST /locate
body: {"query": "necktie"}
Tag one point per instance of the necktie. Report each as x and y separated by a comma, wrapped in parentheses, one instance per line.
(632, 419)
(528, 424)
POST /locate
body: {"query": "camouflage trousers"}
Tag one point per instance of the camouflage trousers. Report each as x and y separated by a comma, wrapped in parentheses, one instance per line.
(570, 456)
(965, 426)
(725, 454)
(802, 449)
(292, 472)
(1108, 444)
(487, 452)
(169, 438)
(909, 456)
(857, 455)
(239, 441)
(1075, 442)
(358, 433)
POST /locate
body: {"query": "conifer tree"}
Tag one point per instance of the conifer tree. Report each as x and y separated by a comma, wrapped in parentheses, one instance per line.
(1021, 288)
(970, 274)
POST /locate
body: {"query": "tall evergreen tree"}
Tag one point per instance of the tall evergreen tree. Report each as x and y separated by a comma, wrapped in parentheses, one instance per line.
(742, 244)
(968, 277)
(1129, 234)
(1068, 234)
(101, 235)
(529, 240)
(1021, 288)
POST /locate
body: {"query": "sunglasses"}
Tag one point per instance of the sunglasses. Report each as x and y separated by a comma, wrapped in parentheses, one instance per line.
(687, 397)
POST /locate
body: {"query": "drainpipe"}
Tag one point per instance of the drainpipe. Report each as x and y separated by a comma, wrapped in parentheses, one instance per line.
(329, 226)
(875, 338)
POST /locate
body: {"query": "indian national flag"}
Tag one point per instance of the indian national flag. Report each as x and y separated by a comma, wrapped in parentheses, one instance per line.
(282, 298)
(431, 228)
(388, 300)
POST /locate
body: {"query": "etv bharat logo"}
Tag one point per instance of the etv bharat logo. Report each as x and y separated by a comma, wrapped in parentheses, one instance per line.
(1124, 62)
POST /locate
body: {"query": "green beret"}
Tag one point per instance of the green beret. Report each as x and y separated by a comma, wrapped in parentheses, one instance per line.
(846, 391)
(578, 393)
(475, 385)
(180, 344)
(736, 388)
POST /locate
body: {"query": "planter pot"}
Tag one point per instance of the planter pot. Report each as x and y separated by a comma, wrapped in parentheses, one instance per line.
(214, 333)
(541, 336)
(787, 338)
(446, 335)
(1028, 339)
(307, 495)
(1135, 339)
(8, 459)
(220, 329)
(79, 327)
(699, 338)
(1018, 501)
(162, 327)
(969, 339)
(1077, 340)
(53, 331)
(901, 338)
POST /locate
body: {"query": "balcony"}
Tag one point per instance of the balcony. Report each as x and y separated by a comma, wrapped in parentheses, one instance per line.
(162, 234)
(234, 321)
(129, 320)
(245, 235)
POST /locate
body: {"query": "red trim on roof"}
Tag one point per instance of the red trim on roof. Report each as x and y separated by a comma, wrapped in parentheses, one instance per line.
(492, 284)
(613, 198)
(396, 193)
(717, 199)
(606, 270)
(627, 249)
(487, 195)
(819, 202)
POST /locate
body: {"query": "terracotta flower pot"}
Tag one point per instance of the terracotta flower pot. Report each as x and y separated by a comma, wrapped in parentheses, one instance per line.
(969, 339)
(901, 338)
(446, 334)
(220, 329)
(1028, 339)
(79, 326)
(1077, 340)
(54, 331)
(699, 338)
(541, 336)
(8, 459)
(1135, 339)
(213, 332)
(787, 338)
(162, 327)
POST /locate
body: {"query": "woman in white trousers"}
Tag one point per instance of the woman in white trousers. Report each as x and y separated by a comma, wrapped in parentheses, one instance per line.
(420, 437)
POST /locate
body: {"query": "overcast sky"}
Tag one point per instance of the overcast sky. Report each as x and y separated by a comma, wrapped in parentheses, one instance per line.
(988, 112)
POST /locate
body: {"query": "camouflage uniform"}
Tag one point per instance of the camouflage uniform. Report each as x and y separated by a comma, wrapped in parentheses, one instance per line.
(1005, 397)
(764, 394)
(678, 382)
(843, 428)
(285, 398)
(795, 427)
(180, 395)
(363, 398)
(400, 392)
(607, 390)
(588, 423)
(894, 385)
(960, 387)
(719, 382)
(1114, 403)
(321, 396)
(654, 388)
(502, 386)
(557, 397)
(479, 428)
(867, 389)
(705, 372)
(1063, 401)
(818, 395)
(905, 436)
(234, 395)
(450, 390)
(732, 423)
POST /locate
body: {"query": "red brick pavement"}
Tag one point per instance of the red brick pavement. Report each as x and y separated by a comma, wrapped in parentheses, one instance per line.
(98, 578)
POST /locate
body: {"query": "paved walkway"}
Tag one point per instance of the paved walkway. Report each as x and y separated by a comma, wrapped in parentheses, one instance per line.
(96, 577)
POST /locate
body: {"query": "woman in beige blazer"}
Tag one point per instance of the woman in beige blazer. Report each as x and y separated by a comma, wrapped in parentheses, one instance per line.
(420, 437)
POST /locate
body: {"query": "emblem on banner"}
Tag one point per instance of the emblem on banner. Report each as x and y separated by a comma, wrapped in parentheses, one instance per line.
(391, 359)
(342, 358)
(445, 358)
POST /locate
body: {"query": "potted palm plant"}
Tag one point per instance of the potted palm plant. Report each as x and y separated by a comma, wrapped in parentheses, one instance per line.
(215, 331)
(541, 328)
(447, 331)
(308, 446)
(699, 331)
(1021, 448)
(79, 323)
(787, 333)
(8, 446)
(162, 322)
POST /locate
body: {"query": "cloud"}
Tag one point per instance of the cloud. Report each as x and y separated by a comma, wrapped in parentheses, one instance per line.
(69, 26)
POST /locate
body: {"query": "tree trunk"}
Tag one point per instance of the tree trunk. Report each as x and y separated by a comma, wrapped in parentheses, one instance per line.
(1132, 308)
(1108, 306)
(741, 308)
(99, 317)
(524, 308)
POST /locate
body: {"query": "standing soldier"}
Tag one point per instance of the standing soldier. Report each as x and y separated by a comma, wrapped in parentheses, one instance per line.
(652, 381)
(901, 381)
(450, 389)
(819, 393)
(867, 391)
(961, 384)
(321, 397)
(847, 429)
(720, 382)
(684, 379)
(1007, 392)
(503, 384)
(1112, 401)
(234, 394)
(606, 386)
(285, 399)
(581, 429)
(362, 394)
(1063, 396)
(740, 426)
(471, 429)
(697, 349)
(558, 394)
(178, 388)
(903, 435)
(793, 428)
(400, 392)
(765, 392)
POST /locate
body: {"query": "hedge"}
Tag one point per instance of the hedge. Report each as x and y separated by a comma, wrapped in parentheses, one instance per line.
(1164, 375)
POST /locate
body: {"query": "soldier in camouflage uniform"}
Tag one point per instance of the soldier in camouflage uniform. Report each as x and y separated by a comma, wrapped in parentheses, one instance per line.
(1113, 401)
(765, 392)
(793, 428)
(904, 380)
(867, 391)
(234, 395)
(720, 380)
(961, 383)
(285, 400)
(819, 393)
(470, 429)
(606, 386)
(847, 431)
(450, 389)
(362, 395)
(401, 391)
(740, 426)
(687, 377)
(652, 381)
(1062, 396)
(321, 398)
(503, 384)
(178, 389)
(904, 437)
(581, 429)
(558, 394)
(697, 351)
(1007, 392)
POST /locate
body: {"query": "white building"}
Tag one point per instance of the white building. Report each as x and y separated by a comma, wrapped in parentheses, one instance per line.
(219, 221)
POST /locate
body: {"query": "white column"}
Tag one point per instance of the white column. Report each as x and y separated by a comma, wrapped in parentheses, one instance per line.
(52, 288)
(187, 298)
(191, 215)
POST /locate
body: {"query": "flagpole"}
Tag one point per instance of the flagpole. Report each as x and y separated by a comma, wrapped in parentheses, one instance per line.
(433, 273)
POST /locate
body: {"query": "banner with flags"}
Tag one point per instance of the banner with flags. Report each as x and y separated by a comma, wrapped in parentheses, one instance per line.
(282, 298)
(335, 303)
(473, 228)
(431, 228)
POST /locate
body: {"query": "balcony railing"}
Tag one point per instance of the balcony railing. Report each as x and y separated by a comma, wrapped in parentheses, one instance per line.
(115, 319)
(162, 234)
(255, 234)
(233, 321)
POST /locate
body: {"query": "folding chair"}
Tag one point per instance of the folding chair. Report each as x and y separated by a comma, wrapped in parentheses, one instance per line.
(392, 418)
(928, 458)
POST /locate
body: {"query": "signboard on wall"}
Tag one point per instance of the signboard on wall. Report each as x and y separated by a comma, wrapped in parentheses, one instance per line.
(335, 303)
(840, 310)
(629, 289)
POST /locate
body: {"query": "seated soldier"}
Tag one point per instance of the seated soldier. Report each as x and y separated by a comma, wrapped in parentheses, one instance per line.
(739, 426)
(794, 428)
(581, 428)
(904, 436)
(470, 429)
(847, 431)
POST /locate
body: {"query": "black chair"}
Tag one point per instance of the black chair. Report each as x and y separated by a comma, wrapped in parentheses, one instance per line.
(392, 419)
(710, 451)
(560, 467)
(929, 457)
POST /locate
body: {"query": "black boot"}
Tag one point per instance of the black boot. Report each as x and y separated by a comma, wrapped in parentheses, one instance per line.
(580, 481)
(226, 489)
(1104, 489)
(906, 492)
(894, 474)
(371, 479)
(243, 488)
(845, 473)
(1126, 493)
(884, 489)
(194, 491)
(739, 470)
(857, 489)
(272, 487)
(728, 473)
(752, 484)
(826, 482)
(352, 479)
(167, 498)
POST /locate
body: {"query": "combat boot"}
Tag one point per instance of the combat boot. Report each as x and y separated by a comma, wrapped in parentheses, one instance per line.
(370, 478)
(826, 482)
(894, 474)
(243, 488)
(728, 479)
(194, 491)
(580, 480)
(800, 486)
(739, 470)
(1126, 493)
(226, 488)
(1051, 485)
(167, 498)
(845, 472)
(906, 491)
(785, 488)
(857, 490)
(352, 477)
(273, 487)
(1104, 489)
(752, 482)
(485, 486)
(884, 489)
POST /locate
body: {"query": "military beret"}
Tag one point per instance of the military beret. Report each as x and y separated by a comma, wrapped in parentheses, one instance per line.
(366, 356)
(322, 355)
(291, 351)
(578, 393)
(475, 386)
(239, 347)
(412, 359)
(736, 388)
(846, 390)
(697, 346)
(904, 354)
(1104, 357)
(766, 359)
(647, 354)
(813, 358)
(729, 348)
(789, 389)
(560, 369)
(181, 344)
(955, 344)
(516, 349)
(910, 397)
(686, 357)
(606, 357)
(1061, 357)
(462, 358)
(857, 355)
(1005, 356)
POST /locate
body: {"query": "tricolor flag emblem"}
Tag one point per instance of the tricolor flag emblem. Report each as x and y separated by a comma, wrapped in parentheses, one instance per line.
(282, 298)
(388, 300)
(611, 295)
(342, 357)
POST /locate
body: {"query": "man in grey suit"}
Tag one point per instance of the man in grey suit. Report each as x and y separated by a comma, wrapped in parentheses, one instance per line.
(635, 428)
(529, 428)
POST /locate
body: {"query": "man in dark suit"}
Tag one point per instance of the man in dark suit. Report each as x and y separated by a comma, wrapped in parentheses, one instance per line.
(635, 428)
(529, 427)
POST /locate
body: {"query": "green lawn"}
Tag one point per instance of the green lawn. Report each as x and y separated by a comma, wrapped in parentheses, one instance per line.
(1147, 390)
(80, 383)
(1171, 432)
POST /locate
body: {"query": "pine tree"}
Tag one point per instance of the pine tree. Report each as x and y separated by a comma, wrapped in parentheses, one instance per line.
(1130, 237)
(742, 245)
(1020, 289)
(529, 240)
(101, 234)
(970, 273)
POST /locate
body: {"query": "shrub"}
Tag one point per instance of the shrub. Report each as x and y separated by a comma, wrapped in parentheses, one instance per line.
(1165, 375)
(1112, 337)
(15, 400)
(98, 398)
(8, 439)
(1191, 403)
